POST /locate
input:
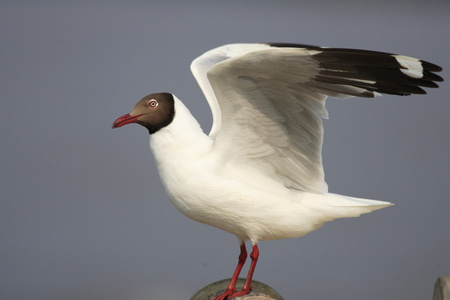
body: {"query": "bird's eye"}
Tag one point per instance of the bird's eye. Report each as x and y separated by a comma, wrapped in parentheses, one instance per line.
(153, 103)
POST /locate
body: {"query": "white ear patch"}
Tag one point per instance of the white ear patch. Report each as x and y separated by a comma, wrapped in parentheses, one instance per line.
(412, 67)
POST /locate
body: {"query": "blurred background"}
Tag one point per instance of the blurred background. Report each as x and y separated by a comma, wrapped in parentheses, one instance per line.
(83, 214)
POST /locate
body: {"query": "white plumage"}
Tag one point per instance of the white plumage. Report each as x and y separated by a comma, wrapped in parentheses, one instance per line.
(237, 182)
(258, 174)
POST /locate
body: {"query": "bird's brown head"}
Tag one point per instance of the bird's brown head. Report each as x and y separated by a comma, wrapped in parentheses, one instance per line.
(154, 111)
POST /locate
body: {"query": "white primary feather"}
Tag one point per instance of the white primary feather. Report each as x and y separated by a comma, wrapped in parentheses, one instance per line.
(411, 66)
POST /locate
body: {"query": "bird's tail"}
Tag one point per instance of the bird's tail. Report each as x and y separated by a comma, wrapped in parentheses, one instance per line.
(339, 206)
(357, 206)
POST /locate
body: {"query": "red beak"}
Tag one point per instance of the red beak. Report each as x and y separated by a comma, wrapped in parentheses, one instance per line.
(124, 120)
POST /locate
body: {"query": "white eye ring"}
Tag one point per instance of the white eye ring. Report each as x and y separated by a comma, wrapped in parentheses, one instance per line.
(153, 103)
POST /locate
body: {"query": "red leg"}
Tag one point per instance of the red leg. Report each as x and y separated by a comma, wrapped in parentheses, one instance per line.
(248, 282)
(232, 286)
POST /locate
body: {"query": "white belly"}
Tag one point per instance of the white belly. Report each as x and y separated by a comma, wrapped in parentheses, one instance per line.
(258, 210)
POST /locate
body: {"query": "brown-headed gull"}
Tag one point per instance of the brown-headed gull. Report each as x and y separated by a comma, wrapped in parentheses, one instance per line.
(258, 174)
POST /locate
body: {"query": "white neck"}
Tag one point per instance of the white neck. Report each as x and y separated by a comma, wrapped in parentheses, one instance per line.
(181, 138)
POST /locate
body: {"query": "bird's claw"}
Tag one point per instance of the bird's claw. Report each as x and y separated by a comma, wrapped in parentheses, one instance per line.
(225, 295)
(228, 295)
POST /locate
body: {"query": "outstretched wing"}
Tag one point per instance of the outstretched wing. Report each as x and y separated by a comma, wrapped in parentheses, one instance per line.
(271, 97)
(202, 64)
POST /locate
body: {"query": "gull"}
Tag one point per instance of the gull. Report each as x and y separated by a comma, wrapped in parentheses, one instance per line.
(258, 174)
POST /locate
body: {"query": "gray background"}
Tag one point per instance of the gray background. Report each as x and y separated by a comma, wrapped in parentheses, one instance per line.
(83, 214)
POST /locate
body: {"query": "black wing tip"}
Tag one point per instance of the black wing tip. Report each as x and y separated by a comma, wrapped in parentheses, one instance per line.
(345, 66)
(426, 65)
(431, 67)
(431, 77)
